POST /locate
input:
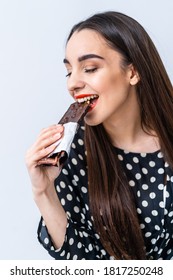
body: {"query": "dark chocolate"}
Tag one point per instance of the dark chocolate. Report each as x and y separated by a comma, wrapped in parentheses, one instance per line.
(75, 112)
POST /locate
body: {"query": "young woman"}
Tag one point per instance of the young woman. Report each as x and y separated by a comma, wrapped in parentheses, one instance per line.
(113, 198)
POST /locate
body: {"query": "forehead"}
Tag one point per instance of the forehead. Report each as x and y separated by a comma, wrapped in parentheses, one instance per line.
(86, 41)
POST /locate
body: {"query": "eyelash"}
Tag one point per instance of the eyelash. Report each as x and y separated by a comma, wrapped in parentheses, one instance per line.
(91, 70)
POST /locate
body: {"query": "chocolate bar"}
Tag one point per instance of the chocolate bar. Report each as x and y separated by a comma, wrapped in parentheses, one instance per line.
(74, 114)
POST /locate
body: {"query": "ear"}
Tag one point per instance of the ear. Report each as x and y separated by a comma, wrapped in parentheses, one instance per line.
(134, 76)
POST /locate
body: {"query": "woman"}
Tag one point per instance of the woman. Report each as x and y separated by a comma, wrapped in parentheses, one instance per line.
(115, 200)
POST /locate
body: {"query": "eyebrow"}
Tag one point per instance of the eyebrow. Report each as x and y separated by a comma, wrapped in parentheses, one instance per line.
(84, 57)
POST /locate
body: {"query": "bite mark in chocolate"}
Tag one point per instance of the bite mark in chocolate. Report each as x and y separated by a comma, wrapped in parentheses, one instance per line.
(75, 112)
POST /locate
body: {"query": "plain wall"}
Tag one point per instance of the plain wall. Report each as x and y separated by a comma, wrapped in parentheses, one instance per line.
(33, 94)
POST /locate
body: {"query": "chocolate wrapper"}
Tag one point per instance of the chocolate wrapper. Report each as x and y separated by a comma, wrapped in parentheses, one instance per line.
(64, 144)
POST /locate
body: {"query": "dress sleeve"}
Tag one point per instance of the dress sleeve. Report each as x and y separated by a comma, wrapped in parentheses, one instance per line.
(81, 241)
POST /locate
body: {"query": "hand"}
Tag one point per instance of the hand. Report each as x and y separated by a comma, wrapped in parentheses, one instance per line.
(42, 177)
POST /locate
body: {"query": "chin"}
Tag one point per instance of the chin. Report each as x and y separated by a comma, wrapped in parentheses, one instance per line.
(91, 122)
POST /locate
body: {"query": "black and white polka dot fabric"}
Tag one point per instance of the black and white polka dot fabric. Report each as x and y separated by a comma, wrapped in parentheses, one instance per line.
(151, 180)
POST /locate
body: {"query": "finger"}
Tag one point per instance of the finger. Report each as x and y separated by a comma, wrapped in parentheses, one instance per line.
(33, 155)
(51, 140)
(48, 161)
(51, 130)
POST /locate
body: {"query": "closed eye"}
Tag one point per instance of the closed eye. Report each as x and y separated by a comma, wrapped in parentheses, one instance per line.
(90, 70)
(68, 74)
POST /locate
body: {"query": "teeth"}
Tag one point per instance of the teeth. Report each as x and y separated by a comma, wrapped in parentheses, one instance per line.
(88, 98)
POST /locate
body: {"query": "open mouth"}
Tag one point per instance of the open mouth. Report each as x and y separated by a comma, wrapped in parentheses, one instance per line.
(90, 99)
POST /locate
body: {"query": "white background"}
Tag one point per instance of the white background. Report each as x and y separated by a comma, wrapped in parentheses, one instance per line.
(33, 94)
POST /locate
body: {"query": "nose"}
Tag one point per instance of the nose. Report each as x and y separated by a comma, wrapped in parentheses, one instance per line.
(75, 83)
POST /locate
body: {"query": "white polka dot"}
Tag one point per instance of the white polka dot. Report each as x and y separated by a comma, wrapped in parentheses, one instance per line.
(70, 188)
(80, 157)
(71, 241)
(161, 204)
(129, 166)
(63, 253)
(138, 193)
(160, 155)
(62, 184)
(154, 212)
(68, 214)
(103, 252)
(86, 207)
(69, 197)
(76, 178)
(170, 214)
(81, 142)
(145, 187)
(46, 240)
(144, 203)
(58, 189)
(160, 251)
(135, 160)
(169, 251)
(166, 194)
(73, 146)
(79, 245)
(85, 234)
(90, 247)
(63, 201)
(138, 176)
(161, 187)
(143, 154)
(156, 249)
(75, 257)
(152, 195)
(147, 220)
(142, 226)
(161, 171)
(64, 171)
(144, 170)
(120, 157)
(69, 166)
(84, 189)
(82, 172)
(74, 182)
(131, 183)
(76, 209)
(157, 227)
(139, 211)
(147, 234)
(74, 161)
(152, 179)
(97, 236)
(153, 241)
(152, 163)
(68, 256)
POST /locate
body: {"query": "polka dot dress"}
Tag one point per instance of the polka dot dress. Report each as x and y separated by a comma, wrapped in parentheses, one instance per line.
(151, 180)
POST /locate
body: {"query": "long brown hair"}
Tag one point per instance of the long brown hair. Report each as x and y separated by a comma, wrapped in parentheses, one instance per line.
(111, 200)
